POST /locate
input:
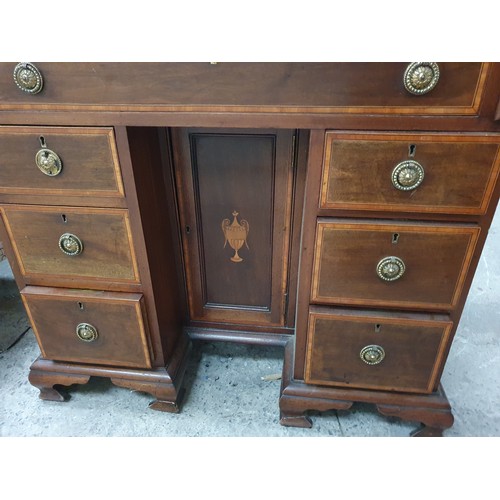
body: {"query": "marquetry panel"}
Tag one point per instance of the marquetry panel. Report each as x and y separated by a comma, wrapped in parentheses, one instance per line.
(235, 197)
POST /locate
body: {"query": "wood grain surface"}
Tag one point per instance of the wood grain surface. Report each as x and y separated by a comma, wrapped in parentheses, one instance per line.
(254, 171)
(90, 163)
(460, 172)
(108, 253)
(118, 317)
(246, 87)
(436, 257)
(413, 350)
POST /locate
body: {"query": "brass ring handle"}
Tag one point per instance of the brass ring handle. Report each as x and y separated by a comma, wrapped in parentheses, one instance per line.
(407, 175)
(390, 268)
(87, 332)
(70, 244)
(372, 354)
(48, 162)
(421, 77)
(28, 78)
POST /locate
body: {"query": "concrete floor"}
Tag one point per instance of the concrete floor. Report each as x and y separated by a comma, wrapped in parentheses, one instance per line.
(226, 395)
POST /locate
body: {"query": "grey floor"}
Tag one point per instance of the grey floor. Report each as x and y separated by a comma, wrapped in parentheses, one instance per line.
(226, 393)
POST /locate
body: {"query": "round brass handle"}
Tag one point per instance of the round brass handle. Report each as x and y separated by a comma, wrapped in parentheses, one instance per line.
(87, 332)
(421, 77)
(48, 162)
(390, 268)
(372, 354)
(28, 78)
(70, 244)
(407, 175)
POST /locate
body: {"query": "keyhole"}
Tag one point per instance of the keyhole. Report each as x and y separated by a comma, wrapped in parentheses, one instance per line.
(188, 229)
(64, 218)
(395, 238)
(80, 305)
(377, 328)
(42, 141)
(412, 150)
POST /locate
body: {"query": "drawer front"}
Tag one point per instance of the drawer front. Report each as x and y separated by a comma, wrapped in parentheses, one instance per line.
(410, 172)
(250, 87)
(375, 350)
(89, 327)
(56, 161)
(102, 236)
(358, 262)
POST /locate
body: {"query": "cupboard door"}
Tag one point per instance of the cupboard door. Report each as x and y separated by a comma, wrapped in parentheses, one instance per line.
(235, 197)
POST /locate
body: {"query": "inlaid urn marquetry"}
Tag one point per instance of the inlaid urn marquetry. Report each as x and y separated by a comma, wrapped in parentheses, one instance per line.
(236, 234)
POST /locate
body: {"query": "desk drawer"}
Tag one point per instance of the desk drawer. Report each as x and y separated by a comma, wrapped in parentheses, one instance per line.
(89, 327)
(53, 161)
(444, 173)
(357, 262)
(95, 244)
(376, 350)
(368, 88)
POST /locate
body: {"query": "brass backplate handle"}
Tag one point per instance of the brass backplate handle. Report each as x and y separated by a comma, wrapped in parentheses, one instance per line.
(372, 354)
(86, 332)
(390, 268)
(48, 162)
(407, 175)
(70, 244)
(28, 78)
(421, 77)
